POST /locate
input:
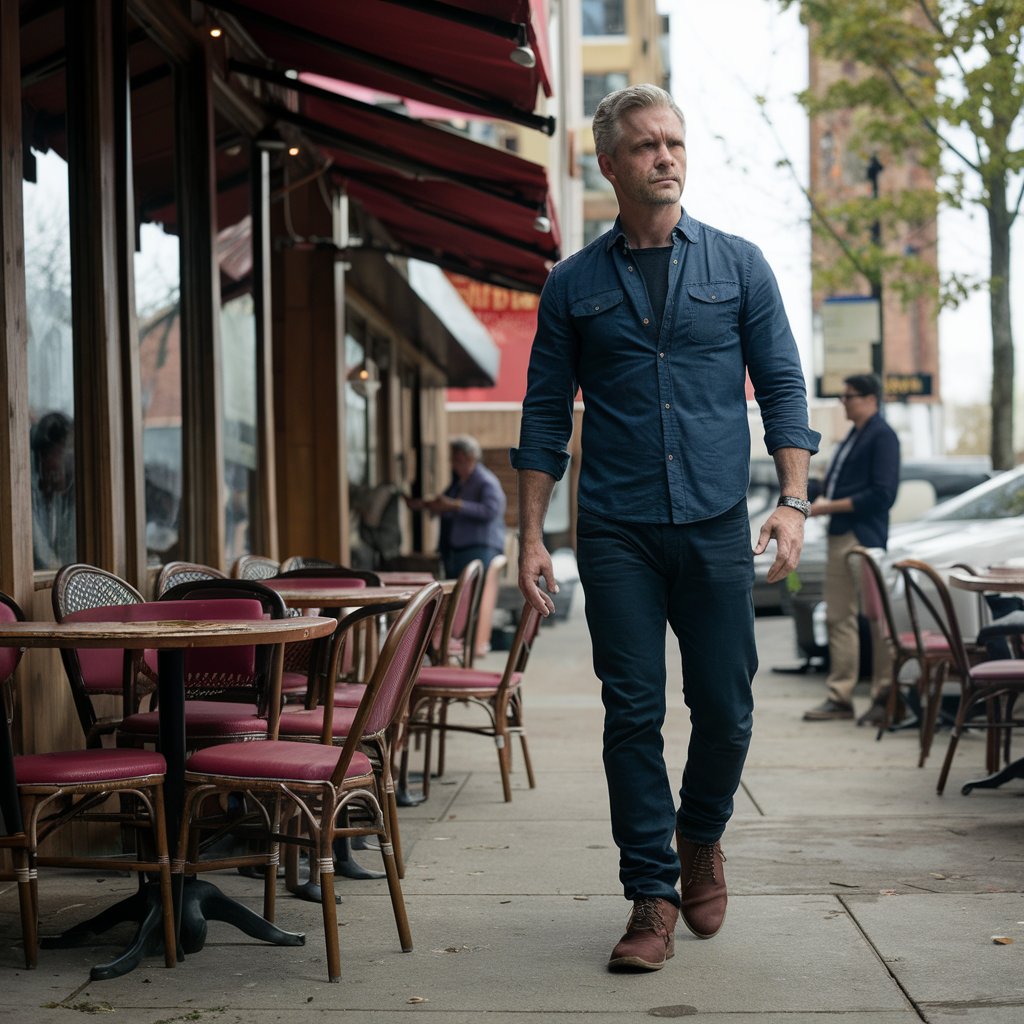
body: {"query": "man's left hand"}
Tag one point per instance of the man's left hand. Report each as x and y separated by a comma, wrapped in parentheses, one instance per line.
(786, 526)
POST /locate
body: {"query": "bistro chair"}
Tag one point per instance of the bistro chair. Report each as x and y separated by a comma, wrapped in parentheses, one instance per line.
(499, 694)
(302, 562)
(453, 643)
(930, 650)
(42, 793)
(78, 589)
(174, 573)
(996, 683)
(488, 602)
(299, 668)
(227, 689)
(254, 567)
(335, 793)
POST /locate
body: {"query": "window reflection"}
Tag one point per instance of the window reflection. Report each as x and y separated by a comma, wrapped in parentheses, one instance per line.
(158, 302)
(50, 359)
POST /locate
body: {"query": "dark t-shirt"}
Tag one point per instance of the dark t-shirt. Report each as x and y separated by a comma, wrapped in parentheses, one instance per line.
(653, 265)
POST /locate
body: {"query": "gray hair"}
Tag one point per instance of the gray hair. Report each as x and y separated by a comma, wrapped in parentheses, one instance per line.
(608, 116)
(468, 445)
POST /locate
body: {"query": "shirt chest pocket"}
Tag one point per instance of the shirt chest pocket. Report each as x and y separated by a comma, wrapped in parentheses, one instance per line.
(594, 317)
(714, 312)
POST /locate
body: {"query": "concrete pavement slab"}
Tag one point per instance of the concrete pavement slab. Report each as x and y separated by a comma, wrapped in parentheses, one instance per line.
(538, 954)
(874, 855)
(941, 949)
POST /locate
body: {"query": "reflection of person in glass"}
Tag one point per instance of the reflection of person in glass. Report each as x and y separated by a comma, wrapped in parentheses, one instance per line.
(53, 491)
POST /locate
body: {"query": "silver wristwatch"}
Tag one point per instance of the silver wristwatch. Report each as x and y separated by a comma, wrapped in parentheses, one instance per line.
(798, 503)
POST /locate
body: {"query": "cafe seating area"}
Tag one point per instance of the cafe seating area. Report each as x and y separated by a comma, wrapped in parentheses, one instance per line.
(259, 755)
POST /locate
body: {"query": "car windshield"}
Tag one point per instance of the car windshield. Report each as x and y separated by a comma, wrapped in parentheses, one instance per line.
(1001, 498)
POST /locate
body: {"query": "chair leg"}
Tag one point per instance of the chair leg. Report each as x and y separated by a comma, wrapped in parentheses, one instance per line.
(526, 759)
(24, 866)
(931, 701)
(954, 738)
(441, 736)
(504, 761)
(395, 889)
(330, 912)
(428, 743)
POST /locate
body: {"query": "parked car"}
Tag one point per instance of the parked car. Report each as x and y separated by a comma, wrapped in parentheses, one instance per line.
(959, 528)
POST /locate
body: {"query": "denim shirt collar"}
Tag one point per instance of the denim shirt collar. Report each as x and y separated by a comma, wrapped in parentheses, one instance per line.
(685, 226)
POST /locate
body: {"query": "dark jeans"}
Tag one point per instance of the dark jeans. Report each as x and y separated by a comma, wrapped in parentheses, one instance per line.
(456, 559)
(696, 577)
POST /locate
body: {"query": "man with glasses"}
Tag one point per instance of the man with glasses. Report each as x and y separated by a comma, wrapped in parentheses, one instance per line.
(860, 488)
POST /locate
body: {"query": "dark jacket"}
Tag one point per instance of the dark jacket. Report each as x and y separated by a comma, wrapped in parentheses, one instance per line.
(870, 476)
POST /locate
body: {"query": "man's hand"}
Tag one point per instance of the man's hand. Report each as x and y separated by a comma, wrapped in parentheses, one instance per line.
(534, 566)
(786, 526)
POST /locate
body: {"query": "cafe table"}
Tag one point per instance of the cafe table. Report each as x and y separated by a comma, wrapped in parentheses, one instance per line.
(998, 579)
(196, 901)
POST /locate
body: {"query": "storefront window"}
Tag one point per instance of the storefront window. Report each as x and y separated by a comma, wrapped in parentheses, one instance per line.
(50, 359)
(604, 17)
(157, 299)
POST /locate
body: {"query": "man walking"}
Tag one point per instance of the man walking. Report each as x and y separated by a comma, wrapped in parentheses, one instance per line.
(658, 321)
(860, 488)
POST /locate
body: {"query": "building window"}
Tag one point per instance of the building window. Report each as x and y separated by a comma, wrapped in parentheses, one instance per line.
(50, 362)
(604, 17)
(593, 179)
(596, 87)
(594, 228)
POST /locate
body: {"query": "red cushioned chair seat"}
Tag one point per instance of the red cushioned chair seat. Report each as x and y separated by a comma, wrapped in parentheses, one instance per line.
(1008, 669)
(78, 766)
(294, 682)
(933, 642)
(310, 723)
(348, 695)
(202, 718)
(275, 759)
(445, 677)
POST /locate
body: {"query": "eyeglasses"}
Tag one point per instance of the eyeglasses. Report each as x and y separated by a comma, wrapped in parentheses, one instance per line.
(852, 394)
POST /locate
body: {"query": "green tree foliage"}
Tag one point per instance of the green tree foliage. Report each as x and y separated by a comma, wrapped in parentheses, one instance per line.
(939, 82)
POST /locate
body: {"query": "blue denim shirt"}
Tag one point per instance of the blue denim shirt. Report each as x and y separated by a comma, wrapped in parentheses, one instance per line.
(665, 433)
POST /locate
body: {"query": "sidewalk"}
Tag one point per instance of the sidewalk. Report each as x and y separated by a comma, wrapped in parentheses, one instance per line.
(857, 894)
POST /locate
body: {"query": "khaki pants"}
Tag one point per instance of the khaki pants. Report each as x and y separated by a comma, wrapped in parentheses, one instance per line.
(842, 596)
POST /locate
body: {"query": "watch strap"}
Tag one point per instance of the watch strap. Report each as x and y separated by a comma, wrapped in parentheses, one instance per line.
(801, 505)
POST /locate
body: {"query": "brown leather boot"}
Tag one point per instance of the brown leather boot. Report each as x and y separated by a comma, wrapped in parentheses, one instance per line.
(650, 936)
(702, 880)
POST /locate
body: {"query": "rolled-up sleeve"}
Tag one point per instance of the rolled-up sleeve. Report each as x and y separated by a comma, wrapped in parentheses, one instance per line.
(551, 387)
(773, 362)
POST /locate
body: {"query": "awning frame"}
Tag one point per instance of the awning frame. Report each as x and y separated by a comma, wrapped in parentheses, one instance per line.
(493, 108)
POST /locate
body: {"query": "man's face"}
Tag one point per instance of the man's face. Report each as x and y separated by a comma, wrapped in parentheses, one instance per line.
(462, 463)
(648, 166)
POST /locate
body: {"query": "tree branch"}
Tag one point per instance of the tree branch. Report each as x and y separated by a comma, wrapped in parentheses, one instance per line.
(925, 119)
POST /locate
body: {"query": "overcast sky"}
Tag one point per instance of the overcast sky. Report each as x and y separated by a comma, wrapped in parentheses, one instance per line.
(723, 55)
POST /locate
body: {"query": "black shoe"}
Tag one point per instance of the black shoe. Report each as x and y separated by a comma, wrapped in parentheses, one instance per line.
(830, 710)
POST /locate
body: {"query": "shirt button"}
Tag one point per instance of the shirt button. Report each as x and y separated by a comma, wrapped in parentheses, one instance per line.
(661, 355)
(713, 296)
(630, 269)
(670, 458)
(596, 308)
(667, 406)
(675, 261)
(646, 321)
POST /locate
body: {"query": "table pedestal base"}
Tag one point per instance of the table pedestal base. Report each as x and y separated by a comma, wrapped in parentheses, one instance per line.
(201, 902)
(996, 779)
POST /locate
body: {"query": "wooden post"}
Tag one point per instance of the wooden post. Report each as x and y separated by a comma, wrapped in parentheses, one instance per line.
(15, 482)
